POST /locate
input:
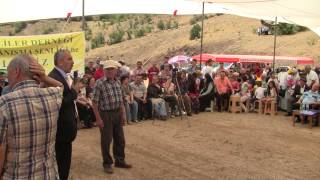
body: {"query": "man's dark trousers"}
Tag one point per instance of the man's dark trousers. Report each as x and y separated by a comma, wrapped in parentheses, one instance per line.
(112, 130)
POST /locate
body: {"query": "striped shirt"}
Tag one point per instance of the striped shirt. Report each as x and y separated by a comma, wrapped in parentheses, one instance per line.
(28, 125)
(108, 94)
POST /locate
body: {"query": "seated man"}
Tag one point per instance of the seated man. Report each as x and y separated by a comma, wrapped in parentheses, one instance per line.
(308, 98)
(140, 96)
(182, 91)
(294, 94)
(154, 92)
(224, 88)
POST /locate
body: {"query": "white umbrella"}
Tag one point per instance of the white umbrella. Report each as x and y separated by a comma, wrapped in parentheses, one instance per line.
(179, 59)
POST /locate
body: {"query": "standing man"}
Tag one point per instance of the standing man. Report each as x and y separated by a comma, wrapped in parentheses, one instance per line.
(312, 76)
(28, 122)
(208, 69)
(193, 67)
(108, 107)
(67, 124)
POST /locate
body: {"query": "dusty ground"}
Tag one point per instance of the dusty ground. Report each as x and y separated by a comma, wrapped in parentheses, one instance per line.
(216, 146)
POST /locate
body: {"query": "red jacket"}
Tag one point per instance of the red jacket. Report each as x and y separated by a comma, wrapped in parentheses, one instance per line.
(98, 74)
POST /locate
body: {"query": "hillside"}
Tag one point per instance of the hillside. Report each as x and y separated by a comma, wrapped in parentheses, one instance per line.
(225, 34)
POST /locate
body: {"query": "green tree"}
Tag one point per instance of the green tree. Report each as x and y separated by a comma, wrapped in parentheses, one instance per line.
(19, 26)
(98, 41)
(115, 37)
(47, 30)
(161, 25)
(129, 35)
(88, 33)
(168, 25)
(175, 25)
(149, 29)
(195, 32)
(139, 33)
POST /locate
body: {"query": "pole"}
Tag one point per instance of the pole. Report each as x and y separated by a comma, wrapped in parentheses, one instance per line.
(83, 19)
(201, 45)
(274, 44)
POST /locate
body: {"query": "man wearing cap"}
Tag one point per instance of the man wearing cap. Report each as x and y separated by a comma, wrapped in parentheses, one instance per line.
(108, 107)
(295, 93)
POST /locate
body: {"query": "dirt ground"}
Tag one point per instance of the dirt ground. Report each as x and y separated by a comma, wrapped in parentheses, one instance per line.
(216, 146)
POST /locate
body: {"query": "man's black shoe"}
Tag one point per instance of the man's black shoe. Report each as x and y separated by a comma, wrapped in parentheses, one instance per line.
(123, 165)
(108, 169)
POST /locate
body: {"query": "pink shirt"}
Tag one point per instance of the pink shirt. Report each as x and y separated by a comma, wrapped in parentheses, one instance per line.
(222, 85)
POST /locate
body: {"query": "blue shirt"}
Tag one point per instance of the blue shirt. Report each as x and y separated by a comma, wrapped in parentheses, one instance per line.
(309, 97)
(5, 90)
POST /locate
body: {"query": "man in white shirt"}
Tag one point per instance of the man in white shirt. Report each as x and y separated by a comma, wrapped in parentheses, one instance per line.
(282, 77)
(208, 69)
(312, 77)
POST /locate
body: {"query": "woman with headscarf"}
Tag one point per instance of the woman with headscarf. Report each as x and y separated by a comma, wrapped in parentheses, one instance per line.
(207, 93)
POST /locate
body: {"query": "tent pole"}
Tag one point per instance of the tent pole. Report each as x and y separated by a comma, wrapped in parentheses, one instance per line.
(201, 45)
(83, 19)
(274, 44)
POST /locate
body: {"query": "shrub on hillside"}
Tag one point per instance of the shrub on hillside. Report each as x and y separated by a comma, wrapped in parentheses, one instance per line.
(98, 41)
(195, 32)
(175, 25)
(19, 26)
(115, 37)
(88, 33)
(287, 29)
(148, 18)
(195, 19)
(139, 33)
(168, 25)
(161, 25)
(47, 30)
(129, 35)
(149, 29)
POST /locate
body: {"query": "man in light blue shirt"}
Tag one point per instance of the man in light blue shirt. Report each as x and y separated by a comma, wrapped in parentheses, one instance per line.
(309, 97)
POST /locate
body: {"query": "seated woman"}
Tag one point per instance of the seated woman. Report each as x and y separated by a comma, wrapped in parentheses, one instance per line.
(170, 96)
(235, 82)
(207, 93)
(272, 95)
(154, 92)
(245, 93)
(131, 105)
(182, 91)
(84, 106)
(194, 91)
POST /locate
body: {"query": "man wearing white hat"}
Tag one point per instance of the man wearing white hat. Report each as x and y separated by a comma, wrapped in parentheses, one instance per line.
(108, 107)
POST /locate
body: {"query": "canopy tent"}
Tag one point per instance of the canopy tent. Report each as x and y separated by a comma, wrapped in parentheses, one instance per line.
(254, 59)
(305, 13)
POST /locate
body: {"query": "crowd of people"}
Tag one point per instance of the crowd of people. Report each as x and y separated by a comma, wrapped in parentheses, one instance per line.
(40, 114)
(171, 90)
